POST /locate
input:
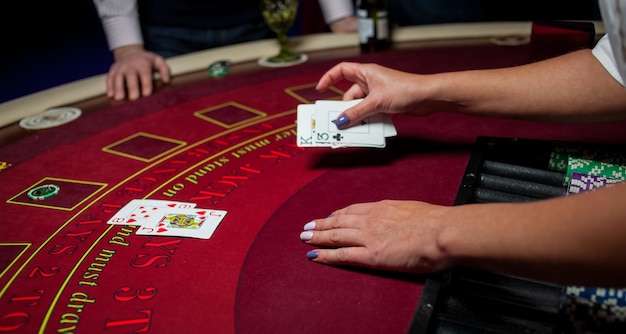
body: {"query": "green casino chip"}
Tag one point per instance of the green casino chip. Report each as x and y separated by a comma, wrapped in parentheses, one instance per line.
(594, 168)
(219, 68)
(44, 192)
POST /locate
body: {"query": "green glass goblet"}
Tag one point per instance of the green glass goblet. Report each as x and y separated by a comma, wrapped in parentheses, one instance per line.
(280, 16)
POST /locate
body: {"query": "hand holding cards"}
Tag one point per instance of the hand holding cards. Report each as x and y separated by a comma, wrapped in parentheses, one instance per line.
(169, 218)
(316, 127)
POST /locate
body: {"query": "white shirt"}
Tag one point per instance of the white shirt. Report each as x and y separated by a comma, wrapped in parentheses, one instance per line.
(611, 48)
(120, 20)
(334, 10)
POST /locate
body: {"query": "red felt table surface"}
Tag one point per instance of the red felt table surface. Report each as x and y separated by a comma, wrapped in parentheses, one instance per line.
(228, 144)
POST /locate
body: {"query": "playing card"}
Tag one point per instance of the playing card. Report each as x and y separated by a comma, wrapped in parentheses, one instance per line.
(369, 133)
(306, 123)
(388, 128)
(140, 211)
(316, 128)
(193, 223)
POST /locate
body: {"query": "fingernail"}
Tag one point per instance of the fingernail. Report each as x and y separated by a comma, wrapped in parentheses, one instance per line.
(306, 235)
(309, 226)
(312, 255)
(342, 121)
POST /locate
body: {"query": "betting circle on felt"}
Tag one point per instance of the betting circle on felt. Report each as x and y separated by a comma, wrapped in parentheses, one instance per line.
(50, 118)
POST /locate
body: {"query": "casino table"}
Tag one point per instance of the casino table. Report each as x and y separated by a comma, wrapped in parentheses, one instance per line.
(229, 144)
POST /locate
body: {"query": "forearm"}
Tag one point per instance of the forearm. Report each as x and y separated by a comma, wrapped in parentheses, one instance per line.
(571, 88)
(577, 239)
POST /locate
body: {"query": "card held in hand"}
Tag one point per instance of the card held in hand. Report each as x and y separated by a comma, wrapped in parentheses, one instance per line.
(316, 127)
(305, 125)
(369, 133)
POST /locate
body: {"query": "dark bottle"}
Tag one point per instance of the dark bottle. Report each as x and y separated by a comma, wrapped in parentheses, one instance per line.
(373, 25)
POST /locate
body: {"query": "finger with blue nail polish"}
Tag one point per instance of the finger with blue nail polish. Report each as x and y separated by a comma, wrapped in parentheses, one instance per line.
(342, 121)
(312, 255)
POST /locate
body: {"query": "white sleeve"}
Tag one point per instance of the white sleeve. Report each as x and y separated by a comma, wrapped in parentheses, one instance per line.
(604, 53)
(611, 49)
(334, 10)
(120, 21)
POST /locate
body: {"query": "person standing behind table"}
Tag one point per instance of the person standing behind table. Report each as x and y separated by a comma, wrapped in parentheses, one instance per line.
(142, 33)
